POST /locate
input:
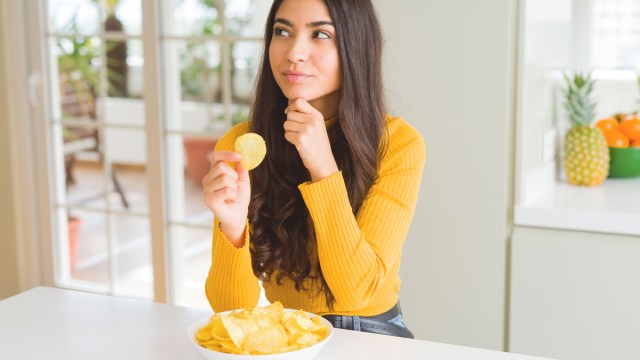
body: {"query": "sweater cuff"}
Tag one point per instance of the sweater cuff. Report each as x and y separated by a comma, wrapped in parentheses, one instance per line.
(224, 249)
(328, 193)
(231, 283)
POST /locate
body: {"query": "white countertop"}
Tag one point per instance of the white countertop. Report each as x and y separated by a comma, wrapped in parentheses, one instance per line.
(50, 323)
(612, 207)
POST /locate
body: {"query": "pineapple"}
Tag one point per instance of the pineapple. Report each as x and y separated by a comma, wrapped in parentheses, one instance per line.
(586, 154)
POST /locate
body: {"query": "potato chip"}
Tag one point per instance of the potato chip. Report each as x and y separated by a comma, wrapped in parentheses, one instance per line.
(217, 329)
(253, 149)
(268, 340)
(204, 334)
(305, 323)
(274, 311)
(307, 339)
(261, 330)
(236, 330)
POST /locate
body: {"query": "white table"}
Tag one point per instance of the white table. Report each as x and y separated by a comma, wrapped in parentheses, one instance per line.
(49, 323)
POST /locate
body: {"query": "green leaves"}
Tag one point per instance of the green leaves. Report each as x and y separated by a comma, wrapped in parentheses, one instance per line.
(581, 109)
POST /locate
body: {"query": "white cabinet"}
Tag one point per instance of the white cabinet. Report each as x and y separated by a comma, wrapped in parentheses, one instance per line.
(575, 295)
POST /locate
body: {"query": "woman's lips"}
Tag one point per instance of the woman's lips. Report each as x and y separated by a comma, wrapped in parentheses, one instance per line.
(296, 76)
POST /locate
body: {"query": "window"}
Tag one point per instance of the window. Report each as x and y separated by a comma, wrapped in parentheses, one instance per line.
(616, 34)
(136, 105)
(562, 37)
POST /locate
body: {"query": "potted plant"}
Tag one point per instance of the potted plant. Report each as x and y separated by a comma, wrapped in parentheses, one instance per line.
(73, 224)
(117, 68)
(199, 79)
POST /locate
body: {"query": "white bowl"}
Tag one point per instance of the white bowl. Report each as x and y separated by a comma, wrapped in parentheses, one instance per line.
(301, 354)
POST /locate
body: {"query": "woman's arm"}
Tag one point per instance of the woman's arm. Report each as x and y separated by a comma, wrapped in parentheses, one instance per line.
(231, 283)
(356, 253)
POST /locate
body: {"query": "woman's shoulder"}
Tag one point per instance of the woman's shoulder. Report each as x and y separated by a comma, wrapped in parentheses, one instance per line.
(227, 141)
(402, 135)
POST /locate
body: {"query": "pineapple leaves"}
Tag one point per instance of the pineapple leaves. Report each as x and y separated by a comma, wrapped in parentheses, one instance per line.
(581, 109)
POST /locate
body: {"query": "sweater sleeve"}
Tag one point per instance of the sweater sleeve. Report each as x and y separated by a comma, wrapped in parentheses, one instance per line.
(230, 283)
(356, 252)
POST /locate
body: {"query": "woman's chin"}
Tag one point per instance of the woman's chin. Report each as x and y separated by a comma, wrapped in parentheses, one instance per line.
(293, 96)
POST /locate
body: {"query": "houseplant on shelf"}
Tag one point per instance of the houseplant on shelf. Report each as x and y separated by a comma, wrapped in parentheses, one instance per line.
(79, 80)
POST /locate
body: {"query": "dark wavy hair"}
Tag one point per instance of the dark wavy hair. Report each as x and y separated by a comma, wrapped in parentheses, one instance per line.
(281, 229)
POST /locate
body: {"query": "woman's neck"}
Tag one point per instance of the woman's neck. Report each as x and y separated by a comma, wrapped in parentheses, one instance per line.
(327, 105)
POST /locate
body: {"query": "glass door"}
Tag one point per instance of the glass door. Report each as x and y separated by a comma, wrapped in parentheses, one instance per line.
(139, 92)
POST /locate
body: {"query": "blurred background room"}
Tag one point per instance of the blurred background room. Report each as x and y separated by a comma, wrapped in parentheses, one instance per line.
(109, 110)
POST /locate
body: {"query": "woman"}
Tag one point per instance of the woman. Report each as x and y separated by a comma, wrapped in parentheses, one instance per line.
(322, 220)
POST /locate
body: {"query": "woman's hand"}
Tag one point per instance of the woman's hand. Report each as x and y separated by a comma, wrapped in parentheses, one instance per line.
(305, 129)
(227, 193)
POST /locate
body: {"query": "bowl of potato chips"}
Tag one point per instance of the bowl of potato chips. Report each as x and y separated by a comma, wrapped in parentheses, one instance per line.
(269, 332)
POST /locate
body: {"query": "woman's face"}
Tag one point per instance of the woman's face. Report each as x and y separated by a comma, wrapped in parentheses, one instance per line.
(303, 53)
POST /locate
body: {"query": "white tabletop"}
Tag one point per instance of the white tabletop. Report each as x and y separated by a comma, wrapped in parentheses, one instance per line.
(49, 323)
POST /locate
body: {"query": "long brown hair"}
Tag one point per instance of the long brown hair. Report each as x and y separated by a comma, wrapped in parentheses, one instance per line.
(281, 229)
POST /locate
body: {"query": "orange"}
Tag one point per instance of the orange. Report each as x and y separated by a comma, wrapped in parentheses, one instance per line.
(620, 117)
(631, 128)
(607, 124)
(635, 143)
(617, 139)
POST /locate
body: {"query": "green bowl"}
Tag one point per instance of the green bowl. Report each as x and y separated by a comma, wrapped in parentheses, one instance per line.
(625, 162)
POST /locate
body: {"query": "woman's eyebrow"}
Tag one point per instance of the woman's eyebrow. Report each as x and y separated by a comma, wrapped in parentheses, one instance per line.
(309, 25)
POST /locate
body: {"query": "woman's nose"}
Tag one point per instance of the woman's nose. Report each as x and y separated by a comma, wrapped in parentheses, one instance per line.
(299, 51)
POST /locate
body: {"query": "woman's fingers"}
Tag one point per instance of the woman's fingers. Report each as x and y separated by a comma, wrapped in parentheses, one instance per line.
(300, 105)
(222, 182)
(227, 190)
(242, 174)
(222, 190)
(292, 137)
(228, 156)
(217, 169)
(293, 126)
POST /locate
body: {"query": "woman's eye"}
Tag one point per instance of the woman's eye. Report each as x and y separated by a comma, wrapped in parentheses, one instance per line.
(280, 32)
(321, 35)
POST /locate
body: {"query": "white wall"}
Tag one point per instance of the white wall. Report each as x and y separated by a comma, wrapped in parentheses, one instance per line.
(546, 35)
(449, 72)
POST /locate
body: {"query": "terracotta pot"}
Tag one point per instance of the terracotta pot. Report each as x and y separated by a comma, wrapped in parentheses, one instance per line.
(74, 226)
(198, 152)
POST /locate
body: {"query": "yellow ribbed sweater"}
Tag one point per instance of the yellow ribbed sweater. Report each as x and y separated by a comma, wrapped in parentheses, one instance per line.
(359, 255)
